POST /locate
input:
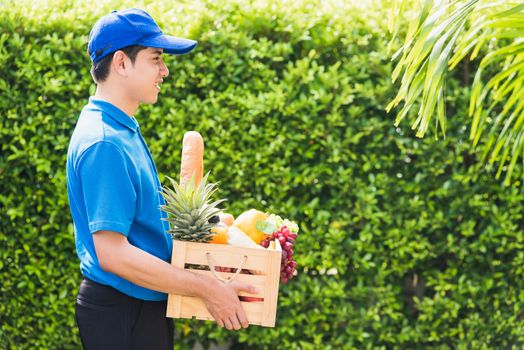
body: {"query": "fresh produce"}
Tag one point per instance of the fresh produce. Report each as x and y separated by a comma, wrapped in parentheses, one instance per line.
(247, 222)
(277, 222)
(215, 219)
(190, 209)
(286, 237)
(220, 234)
(192, 158)
(250, 299)
(239, 238)
(227, 219)
(195, 218)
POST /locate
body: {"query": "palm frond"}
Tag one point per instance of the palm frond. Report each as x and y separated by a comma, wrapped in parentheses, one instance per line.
(446, 33)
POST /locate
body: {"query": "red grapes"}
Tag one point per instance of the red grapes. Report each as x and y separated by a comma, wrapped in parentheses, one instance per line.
(286, 239)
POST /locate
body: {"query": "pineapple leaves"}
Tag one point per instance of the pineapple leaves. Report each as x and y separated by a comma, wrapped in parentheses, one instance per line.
(190, 209)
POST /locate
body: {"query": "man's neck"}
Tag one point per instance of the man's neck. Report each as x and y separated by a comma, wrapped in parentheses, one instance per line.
(108, 94)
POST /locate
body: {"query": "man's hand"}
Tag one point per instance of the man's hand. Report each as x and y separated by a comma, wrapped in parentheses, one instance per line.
(224, 305)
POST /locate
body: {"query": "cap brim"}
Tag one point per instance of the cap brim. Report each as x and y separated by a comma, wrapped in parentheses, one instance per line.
(171, 44)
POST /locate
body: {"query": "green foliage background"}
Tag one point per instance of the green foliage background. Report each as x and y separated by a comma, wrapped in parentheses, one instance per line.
(404, 243)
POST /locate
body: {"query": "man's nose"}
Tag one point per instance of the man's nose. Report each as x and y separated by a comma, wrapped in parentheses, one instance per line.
(164, 70)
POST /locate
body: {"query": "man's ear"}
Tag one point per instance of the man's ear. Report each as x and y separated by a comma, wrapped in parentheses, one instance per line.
(120, 63)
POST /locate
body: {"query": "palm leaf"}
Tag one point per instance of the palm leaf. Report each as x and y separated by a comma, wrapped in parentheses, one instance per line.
(446, 33)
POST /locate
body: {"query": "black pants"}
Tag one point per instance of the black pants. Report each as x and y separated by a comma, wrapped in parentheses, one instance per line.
(109, 319)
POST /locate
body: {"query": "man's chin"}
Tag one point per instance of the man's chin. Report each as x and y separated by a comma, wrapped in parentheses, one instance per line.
(150, 101)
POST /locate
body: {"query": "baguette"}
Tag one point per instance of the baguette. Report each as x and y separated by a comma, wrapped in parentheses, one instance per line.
(192, 158)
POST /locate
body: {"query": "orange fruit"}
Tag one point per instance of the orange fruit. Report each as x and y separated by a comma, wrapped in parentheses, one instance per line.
(220, 236)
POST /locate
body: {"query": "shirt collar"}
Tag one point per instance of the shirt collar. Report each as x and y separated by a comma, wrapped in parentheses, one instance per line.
(115, 113)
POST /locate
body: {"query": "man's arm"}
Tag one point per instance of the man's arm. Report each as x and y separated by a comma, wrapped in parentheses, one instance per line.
(118, 256)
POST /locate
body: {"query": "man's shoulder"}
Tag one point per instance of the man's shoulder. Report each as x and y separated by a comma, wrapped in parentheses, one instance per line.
(93, 127)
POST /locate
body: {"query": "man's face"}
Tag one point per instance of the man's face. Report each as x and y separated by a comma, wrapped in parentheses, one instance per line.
(146, 75)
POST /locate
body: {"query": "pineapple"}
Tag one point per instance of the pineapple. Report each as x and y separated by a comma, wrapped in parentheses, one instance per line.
(190, 210)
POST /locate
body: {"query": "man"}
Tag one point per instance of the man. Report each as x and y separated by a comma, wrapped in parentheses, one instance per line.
(113, 189)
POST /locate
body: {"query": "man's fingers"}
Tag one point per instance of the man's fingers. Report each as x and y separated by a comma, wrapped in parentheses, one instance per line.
(235, 323)
(241, 315)
(228, 324)
(229, 312)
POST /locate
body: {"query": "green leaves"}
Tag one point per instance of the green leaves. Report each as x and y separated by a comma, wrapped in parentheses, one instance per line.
(446, 33)
(266, 227)
(426, 53)
(190, 209)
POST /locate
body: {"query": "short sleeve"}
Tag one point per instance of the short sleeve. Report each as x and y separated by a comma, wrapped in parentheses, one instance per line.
(107, 187)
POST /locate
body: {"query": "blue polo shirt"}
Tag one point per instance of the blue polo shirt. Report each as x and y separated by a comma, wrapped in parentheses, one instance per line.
(113, 184)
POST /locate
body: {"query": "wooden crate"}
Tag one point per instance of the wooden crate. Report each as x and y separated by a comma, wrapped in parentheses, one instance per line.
(265, 261)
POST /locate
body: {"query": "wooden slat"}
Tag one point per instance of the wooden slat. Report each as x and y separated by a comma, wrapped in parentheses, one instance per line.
(195, 307)
(172, 311)
(258, 281)
(174, 302)
(226, 256)
(272, 283)
(223, 247)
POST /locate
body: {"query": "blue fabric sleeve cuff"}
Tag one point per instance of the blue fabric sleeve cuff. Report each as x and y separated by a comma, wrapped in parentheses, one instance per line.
(109, 226)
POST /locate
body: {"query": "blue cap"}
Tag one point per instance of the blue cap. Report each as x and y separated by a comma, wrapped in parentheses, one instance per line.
(133, 26)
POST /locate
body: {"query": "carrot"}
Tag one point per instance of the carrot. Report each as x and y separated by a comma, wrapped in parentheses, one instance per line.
(192, 157)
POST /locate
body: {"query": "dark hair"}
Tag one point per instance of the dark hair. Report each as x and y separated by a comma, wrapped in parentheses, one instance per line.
(100, 69)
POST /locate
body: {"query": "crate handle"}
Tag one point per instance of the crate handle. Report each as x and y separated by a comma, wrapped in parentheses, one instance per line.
(225, 280)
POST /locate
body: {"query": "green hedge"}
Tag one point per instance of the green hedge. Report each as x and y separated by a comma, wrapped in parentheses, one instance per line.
(426, 245)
